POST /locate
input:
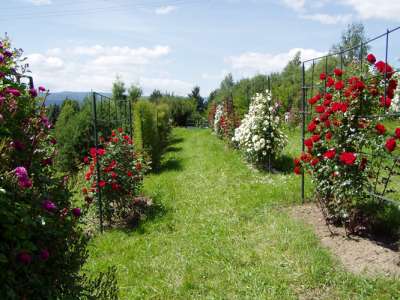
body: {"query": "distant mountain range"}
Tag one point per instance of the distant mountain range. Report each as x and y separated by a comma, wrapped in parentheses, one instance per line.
(59, 97)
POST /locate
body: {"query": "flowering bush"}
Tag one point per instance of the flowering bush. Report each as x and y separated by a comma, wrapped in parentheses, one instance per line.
(121, 175)
(259, 135)
(349, 149)
(225, 120)
(42, 246)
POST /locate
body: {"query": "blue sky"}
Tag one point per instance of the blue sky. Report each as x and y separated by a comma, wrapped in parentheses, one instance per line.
(173, 45)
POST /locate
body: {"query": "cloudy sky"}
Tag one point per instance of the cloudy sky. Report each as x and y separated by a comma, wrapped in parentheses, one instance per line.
(173, 45)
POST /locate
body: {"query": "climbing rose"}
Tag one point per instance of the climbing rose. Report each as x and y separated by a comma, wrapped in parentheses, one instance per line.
(371, 58)
(297, 170)
(315, 161)
(49, 206)
(311, 127)
(76, 212)
(338, 72)
(22, 176)
(44, 254)
(24, 257)
(101, 152)
(339, 85)
(348, 158)
(397, 132)
(42, 89)
(322, 76)
(386, 102)
(380, 128)
(33, 92)
(328, 135)
(330, 154)
(102, 183)
(390, 144)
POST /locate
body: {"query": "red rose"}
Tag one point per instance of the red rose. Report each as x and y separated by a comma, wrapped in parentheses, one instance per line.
(129, 173)
(382, 67)
(397, 132)
(306, 157)
(338, 72)
(296, 161)
(380, 128)
(315, 138)
(371, 58)
(88, 175)
(119, 129)
(385, 102)
(297, 170)
(390, 144)
(348, 158)
(327, 123)
(86, 160)
(339, 85)
(113, 133)
(138, 166)
(311, 127)
(101, 152)
(308, 143)
(102, 183)
(322, 76)
(84, 191)
(320, 109)
(330, 154)
(314, 162)
(93, 152)
(114, 175)
(330, 82)
(328, 136)
(344, 107)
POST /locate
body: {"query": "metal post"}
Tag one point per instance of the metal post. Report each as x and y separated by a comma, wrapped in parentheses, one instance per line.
(303, 129)
(130, 118)
(97, 162)
(386, 61)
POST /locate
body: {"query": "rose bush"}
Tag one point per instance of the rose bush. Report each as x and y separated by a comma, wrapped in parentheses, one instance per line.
(349, 151)
(259, 136)
(42, 244)
(225, 120)
(121, 175)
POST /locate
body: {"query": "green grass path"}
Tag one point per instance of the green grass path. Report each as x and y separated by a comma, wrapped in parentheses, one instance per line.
(223, 233)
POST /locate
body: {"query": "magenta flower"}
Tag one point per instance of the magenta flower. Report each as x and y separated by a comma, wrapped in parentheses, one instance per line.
(76, 212)
(21, 172)
(1, 58)
(2, 75)
(33, 92)
(44, 254)
(42, 89)
(13, 92)
(24, 257)
(17, 145)
(8, 53)
(49, 206)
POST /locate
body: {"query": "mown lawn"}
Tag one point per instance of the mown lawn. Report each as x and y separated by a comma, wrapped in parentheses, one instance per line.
(221, 232)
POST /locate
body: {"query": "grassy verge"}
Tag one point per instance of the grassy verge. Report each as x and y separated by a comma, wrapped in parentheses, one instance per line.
(221, 232)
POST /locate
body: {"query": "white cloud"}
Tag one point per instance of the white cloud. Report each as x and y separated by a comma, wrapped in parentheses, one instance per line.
(328, 19)
(40, 2)
(96, 67)
(373, 9)
(253, 62)
(295, 4)
(164, 10)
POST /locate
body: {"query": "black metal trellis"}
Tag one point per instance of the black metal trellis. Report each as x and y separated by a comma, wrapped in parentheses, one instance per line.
(108, 114)
(307, 114)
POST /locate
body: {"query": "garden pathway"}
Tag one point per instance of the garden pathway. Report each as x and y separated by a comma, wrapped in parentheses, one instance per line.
(221, 231)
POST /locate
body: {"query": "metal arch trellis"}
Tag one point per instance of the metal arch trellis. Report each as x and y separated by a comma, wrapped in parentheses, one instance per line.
(107, 114)
(306, 113)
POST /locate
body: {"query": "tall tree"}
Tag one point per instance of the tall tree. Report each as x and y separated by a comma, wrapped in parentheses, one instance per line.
(134, 93)
(351, 37)
(195, 95)
(118, 89)
(155, 96)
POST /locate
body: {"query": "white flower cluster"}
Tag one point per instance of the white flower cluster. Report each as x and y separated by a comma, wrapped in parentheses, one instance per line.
(219, 113)
(259, 135)
(395, 107)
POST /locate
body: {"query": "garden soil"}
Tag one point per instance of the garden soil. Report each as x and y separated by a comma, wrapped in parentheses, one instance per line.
(358, 254)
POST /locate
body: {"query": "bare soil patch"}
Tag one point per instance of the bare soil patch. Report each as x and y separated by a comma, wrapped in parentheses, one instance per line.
(359, 255)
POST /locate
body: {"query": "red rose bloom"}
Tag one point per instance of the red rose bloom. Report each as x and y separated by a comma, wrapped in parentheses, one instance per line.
(390, 144)
(380, 128)
(397, 132)
(119, 129)
(86, 160)
(101, 152)
(314, 162)
(315, 138)
(308, 143)
(383, 68)
(320, 109)
(129, 173)
(328, 136)
(311, 127)
(338, 72)
(330, 154)
(102, 183)
(348, 158)
(322, 76)
(296, 161)
(306, 157)
(84, 191)
(330, 82)
(385, 102)
(344, 107)
(93, 152)
(297, 170)
(339, 85)
(138, 166)
(327, 123)
(371, 58)
(113, 133)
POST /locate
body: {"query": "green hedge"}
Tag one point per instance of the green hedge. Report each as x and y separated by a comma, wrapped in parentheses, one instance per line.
(151, 129)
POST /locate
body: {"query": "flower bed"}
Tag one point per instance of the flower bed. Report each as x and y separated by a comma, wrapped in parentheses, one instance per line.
(350, 153)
